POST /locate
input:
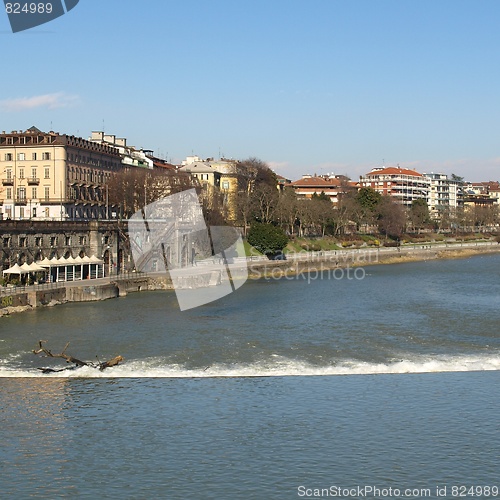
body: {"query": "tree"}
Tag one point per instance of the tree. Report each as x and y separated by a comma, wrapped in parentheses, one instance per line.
(136, 187)
(288, 210)
(254, 172)
(369, 202)
(267, 239)
(392, 218)
(419, 214)
(257, 191)
(264, 203)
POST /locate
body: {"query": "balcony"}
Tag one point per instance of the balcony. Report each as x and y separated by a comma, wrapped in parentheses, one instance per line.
(21, 201)
(33, 181)
(8, 182)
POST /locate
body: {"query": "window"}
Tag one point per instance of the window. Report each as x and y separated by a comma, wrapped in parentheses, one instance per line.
(47, 212)
(8, 156)
(47, 193)
(33, 156)
(21, 173)
(8, 173)
(38, 239)
(81, 240)
(45, 156)
(53, 239)
(33, 173)
(21, 156)
(8, 193)
(68, 240)
(21, 193)
(225, 184)
(10, 140)
(47, 173)
(6, 241)
(33, 193)
(21, 216)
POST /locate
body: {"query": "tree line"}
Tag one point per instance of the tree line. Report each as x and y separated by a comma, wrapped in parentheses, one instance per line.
(259, 202)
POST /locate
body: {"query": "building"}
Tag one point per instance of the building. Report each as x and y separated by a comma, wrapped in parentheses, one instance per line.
(221, 174)
(402, 184)
(444, 194)
(331, 186)
(52, 176)
(202, 173)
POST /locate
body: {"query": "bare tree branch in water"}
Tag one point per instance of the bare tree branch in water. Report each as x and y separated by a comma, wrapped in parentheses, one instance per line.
(70, 359)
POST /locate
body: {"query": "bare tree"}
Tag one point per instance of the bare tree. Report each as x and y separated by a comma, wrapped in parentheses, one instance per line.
(264, 202)
(288, 210)
(136, 187)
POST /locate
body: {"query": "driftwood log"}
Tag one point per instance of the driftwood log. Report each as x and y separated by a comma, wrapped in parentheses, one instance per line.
(70, 359)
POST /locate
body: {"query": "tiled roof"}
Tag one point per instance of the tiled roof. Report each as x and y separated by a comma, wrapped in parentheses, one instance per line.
(316, 182)
(394, 171)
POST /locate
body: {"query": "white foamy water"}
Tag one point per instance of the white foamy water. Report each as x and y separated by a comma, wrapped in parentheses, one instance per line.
(279, 367)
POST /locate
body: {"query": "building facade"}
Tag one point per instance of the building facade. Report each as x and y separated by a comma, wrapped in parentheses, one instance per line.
(30, 241)
(444, 194)
(52, 176)
(404, 185)
(311, 185)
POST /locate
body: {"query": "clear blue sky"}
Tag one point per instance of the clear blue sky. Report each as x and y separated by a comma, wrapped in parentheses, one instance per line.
(308, 86)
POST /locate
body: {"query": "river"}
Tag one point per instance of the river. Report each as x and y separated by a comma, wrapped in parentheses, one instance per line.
(284, 389)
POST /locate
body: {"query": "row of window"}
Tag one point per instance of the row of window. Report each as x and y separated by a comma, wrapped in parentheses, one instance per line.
(23, 156)
(21, 193)
(23, 241)
(88, 175)
(21, 170)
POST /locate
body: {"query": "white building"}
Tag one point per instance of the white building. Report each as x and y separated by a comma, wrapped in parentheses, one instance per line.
(131, 156)
(444, 194)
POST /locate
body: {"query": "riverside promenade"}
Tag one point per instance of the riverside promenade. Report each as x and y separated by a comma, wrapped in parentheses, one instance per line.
(208, 273)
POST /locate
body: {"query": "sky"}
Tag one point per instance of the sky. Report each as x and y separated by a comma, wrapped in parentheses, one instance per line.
(309, 86)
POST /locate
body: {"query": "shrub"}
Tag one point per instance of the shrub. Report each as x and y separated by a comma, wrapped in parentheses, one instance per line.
(267, 239)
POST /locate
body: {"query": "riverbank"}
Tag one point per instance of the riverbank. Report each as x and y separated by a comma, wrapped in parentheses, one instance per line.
(324, 261)
(28, 298)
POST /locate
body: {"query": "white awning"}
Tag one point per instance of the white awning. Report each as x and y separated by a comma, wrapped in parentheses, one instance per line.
(15, 269)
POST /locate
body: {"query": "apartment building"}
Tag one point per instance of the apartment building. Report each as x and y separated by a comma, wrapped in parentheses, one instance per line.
(444, 194)
(403, 184)
(52, 176)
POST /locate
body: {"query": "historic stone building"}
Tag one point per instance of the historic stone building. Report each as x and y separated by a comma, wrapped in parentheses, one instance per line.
(30, 241)
(52, 176)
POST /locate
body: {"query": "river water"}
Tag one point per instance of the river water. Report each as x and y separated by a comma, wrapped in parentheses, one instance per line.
(286, 388)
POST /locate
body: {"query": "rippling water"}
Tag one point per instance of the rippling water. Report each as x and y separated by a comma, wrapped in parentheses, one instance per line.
(215, 402)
